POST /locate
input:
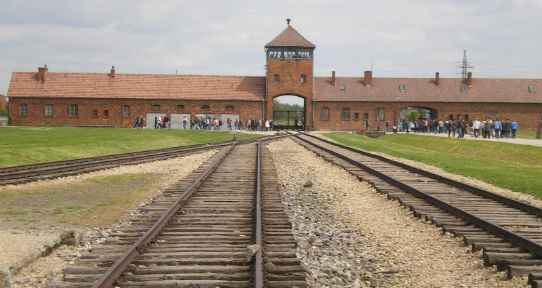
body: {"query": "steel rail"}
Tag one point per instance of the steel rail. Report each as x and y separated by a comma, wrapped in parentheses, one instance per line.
(258, 266)
(514, 238)
(480, 192)
(115, 270)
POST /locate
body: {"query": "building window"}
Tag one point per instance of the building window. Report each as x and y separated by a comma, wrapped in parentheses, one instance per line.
(365, 116)
(74, 110)
(126, 111)
(380, 113)
(402, 87)
(531, 89)
(276, 78)
(356, 116)
(346, 113)
(303, 78)
(48, 110)
(94, 113)
(205, 108)
(325, 114)
(466, 116)
(229, 108)
(180, 107)
(289, 54)
(274, 54)
(155, 107)
(106, 113)
(304, 54)
(451, 117)
(23, 109)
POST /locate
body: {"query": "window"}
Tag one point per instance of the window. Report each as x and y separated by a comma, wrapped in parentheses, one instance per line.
(126, 111)
(346, 113)
(459, 117)
(274, 54)
(356, 116)
(303, 78)
(466, 116)
(402, 87)
(289, 54)
(531, 89)
(180, 107)
(343, 86)
(229, 108)
(304, 54)
(155, 107)
(276, 77)
(205, 107)
(48, 110)
(74, 110)
(94, 113)
(451, 117)
(325, 114)
(365, 116)
(380, 113)
(106, 113)
(23, 109)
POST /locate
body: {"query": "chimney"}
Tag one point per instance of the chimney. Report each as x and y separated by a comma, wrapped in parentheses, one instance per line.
(112, 74)
(41, 73)
(367, 78)
(333, 78)
(469, 79)
(437, 79)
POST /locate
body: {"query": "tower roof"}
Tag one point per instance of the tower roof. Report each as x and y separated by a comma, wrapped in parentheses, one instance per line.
(289, 37)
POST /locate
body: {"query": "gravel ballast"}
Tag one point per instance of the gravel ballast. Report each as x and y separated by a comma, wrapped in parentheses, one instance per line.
(350, 236)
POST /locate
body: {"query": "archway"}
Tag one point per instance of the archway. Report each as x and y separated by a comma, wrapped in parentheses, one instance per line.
(424, 113)
(289, 112)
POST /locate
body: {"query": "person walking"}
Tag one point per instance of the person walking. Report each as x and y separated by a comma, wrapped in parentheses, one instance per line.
(141, 122)
(514, 128)
(185, 120)
(136, 122)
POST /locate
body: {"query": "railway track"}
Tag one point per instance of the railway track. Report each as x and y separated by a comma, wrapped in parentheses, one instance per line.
(49, 170)
(508, 231)
(223, 226)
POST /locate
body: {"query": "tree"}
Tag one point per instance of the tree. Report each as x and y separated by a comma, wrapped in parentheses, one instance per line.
(413, 115)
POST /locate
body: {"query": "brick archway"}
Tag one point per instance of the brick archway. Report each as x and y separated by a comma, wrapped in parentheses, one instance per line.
(305, 121)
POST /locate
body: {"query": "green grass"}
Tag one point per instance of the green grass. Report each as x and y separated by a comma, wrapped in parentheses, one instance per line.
(526, 134)
(510, 166)
(25, 145)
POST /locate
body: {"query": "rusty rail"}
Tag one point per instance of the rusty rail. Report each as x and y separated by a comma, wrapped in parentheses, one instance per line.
(258, 260)
(109, 277)
(523, 242)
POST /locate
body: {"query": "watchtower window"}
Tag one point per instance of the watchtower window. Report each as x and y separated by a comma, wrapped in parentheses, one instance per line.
(276, 78)
(304, 54)
(289, 54)
(275, 54)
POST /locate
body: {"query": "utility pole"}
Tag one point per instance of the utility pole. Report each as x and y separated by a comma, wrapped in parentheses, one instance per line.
(465, 65)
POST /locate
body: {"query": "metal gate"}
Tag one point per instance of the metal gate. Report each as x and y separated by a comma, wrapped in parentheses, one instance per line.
(288, 119)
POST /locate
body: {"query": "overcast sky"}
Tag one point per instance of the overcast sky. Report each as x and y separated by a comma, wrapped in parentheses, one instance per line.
(397, 38)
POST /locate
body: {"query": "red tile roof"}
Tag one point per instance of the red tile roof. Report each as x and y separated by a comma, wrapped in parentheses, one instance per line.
(289, 37)
(425, 90)
(137, 86)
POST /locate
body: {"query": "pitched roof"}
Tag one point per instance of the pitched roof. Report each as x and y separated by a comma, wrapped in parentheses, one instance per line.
(425, 90)
(289, 37)
(137, 86)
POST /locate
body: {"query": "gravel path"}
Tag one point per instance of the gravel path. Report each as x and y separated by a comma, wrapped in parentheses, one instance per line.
(350, 236)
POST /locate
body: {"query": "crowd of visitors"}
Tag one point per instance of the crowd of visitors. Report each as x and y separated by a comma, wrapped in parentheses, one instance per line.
(487, 128)
(208, 123)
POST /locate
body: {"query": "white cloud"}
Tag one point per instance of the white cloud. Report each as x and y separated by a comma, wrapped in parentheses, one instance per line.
(398, 37)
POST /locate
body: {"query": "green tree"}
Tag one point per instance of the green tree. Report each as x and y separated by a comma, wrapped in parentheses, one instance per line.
(413, 115)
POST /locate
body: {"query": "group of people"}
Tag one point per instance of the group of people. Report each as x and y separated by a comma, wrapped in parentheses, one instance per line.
(161, 122)
(139, 122)
(487, 128)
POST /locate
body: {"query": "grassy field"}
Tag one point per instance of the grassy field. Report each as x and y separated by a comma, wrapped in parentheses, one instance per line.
(25, 145)
(510, 166)
(526, 134)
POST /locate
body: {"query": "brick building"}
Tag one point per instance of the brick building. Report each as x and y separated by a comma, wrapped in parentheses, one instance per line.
(330, 103)
(3, 102)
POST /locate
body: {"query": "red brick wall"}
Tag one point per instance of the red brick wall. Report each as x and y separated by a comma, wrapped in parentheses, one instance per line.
(289, 71)
(138, 108)
(527, 115)
(2, 102)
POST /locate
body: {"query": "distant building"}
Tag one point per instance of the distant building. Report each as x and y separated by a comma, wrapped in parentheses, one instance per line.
(330, 103)
(3, 102)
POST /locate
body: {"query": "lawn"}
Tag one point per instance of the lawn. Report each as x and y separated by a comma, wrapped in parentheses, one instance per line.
(510, 166)
(25, 145)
